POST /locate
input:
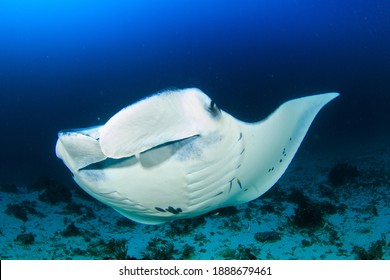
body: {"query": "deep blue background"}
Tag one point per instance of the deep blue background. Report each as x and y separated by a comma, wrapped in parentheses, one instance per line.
(67, 64)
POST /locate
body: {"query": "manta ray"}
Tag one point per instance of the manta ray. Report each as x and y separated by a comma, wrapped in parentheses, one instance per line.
(176, 155)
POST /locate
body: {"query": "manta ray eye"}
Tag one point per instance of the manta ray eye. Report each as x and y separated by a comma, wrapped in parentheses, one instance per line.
(213, 109)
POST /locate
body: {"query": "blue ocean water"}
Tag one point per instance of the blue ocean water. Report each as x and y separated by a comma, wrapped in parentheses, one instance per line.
(68, 64)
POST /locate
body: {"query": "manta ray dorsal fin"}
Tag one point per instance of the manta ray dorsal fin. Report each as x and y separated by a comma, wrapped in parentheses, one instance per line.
(151, 122)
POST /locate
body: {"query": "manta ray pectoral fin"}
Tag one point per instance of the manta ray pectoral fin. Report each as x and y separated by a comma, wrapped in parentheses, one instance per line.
(78, 149)
(149, 123)
(272, 143)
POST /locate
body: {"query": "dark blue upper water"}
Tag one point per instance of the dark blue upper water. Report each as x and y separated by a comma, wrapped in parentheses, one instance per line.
(67, 64)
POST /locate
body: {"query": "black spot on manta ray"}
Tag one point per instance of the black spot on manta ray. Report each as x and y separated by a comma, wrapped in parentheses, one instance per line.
(231, 184)
(240, 137)
(218, 194)
(239, 183)
(170, 209)
(271, 169)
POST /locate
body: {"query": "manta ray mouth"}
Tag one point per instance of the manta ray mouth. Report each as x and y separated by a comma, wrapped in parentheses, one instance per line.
(107, 163)
(171, 148)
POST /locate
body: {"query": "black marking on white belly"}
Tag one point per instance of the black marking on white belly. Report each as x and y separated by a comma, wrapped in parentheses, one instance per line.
(239, 183)
(238, 166)
(170, 209)
(160, 209)
(280, 159)
(231, 184)
(218, 194)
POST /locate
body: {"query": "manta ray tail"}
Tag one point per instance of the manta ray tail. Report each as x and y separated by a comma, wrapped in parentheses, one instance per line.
(272, 143)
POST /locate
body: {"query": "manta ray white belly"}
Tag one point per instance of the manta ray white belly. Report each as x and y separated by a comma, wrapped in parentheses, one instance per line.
(176, 155)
